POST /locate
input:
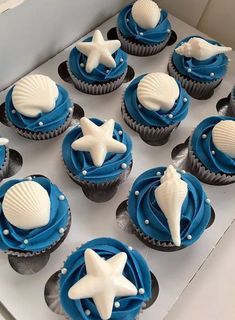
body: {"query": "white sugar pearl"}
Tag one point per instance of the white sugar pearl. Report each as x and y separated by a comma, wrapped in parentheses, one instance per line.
(159, 173)
(185, 99)
(213, 152)
(29, 178)
(183, 171)
(84, 172)
(82, 65)
(146, 221)
(117, 304)
(141, 291)
(121, 60)
(120, 132)
(168, 30)
(26, 241)
(189, 237)
(70, 109)
(107, 71)
(61, 197)
(137, 192)
(124, 165)
(204, 136)
(139, 106)
(208, 201)
(141, 33)
(212, 74)
(170, 115)
(64, 270)
(40, 123)
(88, 312)
(6, 232)
(61, 230)
(130, 248)
(13, 111)
(127, 20)
(189, 70)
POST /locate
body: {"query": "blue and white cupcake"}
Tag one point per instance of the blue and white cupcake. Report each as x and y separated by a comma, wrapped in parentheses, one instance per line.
(211, 155)
(154, 105)
(98, 157)
(143, 28)
(34, 217)
(4, 157)
(37, 108)
(169, 209)
(200, 65)
(104, 279)
(97, 66)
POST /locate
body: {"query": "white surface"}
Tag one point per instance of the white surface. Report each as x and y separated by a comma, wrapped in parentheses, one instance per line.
(173, 270)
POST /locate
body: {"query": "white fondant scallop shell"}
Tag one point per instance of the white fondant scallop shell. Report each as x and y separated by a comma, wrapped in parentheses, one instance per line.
(3, 141)
(157, 91)
(146, 13)
(223, 136)
(200, 49)
(26, 205)
(170, 196)
(34, 94)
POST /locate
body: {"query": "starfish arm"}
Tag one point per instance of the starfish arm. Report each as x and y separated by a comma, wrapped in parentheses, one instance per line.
(95, 265)
(88, 127)
(84, 47)
(98, 37)
(113, 45)
(98, 153)
(117, 263)
(124, 287)
(104, 304)
(85, 288)
(93, 60)
(107, 59)
(108, 128)
(115, 146)
(82, 144)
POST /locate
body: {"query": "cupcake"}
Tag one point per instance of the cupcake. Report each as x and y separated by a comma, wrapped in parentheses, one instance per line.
(143, 28)
(169, 209)
(37, 108)
(4, 157)
(34, 220)
(231, 104)
(200, 65)
(98, 157)
(97, 66)
(211, 155)
(154, 105)
(104, 279)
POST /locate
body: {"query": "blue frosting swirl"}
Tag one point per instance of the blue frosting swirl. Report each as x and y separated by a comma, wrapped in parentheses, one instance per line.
(201, 70)
(2, 156)
(77, 62)
(195, 216)
(77, 161)
(136, 271)
(41, 238)
(51, 120)
(155, 118)
(130, 29)
(202, 148)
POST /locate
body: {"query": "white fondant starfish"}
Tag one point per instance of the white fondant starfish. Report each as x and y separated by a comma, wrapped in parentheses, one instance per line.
(3, 141)
(104, 281)
(98, 140)
(99, 51)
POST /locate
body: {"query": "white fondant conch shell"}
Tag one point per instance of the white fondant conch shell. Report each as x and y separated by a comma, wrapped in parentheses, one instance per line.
(3, 141)
(157, 91)
(34, 94)
(146, 13)
(26, 205)
(170, 196)
(223, 136)
(200, 49)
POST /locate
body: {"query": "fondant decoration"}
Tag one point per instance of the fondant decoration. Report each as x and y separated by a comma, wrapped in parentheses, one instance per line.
(104, 281)
(26, 205)
(146, 13)
(35, 94)
(3, 141)
(170, 196)
(200, 49)
(98, 140)
(99, 51)
(223, 136)
(158, 91)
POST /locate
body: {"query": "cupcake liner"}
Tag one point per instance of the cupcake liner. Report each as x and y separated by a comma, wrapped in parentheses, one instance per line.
(100, 192)
(96, 89)
(4, 167)
(150, 135)
(43, 135)
(49, 250)
(138, 49)
(195, 166)
(231, 105)
(196, 89)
